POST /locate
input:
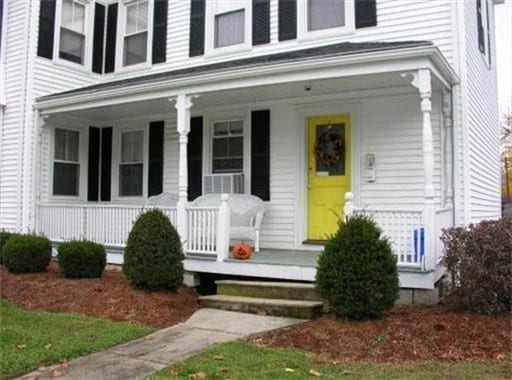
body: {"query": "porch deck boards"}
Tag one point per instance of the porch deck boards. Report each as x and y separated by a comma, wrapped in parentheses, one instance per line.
(282, 257)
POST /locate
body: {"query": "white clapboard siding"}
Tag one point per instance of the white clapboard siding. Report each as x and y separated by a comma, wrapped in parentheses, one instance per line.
(13, 119)
(482, 172)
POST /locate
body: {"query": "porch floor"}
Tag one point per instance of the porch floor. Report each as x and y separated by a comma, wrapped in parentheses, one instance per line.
(282, 257)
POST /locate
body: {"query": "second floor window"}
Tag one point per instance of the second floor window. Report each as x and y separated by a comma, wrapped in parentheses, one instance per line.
(325, 14)
(72, 31)
(135, 42)
(229, 28)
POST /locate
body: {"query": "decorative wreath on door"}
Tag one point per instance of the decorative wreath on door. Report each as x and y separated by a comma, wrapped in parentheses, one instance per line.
(329, 148)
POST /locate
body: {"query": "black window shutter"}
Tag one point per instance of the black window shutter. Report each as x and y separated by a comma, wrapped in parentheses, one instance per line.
(196, 36)
(156, 158)
(366, 13)
(488, 32)
(93, 170)
(46, 28)
(195, 158)
(97, 42)
(106, 162)
(260, 154)
(260, 22)
(287, 18)
(480, 26)
(160, 31)
(110, 45)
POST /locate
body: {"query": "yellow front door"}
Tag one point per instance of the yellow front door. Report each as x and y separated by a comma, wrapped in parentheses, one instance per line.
(328, 173)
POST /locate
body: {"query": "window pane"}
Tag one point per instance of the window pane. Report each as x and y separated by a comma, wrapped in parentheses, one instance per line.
(130, 180)
(324, 14)
(221, 129)
(236, 147)
(132, 146)
(67, 14)
(137, 17)
(79, 18)
(135, 49)
(227, 165)
(73, 16)
(236, 127)
(220, 148)
(229, 28)
(65, 179)
(71, 46)
(66, 145)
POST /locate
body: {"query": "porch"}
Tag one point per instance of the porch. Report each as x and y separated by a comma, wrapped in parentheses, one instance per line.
(389, 106)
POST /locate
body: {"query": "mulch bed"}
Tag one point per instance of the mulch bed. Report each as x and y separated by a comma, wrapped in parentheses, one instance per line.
(408, 334)
(110, 297)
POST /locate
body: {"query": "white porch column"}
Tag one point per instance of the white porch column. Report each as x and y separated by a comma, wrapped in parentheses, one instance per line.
(421, 79)
(183, 105)
(448, 147)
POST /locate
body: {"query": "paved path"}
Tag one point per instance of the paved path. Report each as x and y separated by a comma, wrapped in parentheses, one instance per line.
(205, 328)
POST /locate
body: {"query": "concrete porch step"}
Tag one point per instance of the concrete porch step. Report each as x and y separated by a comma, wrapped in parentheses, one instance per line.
(263, 289)
(264, 306)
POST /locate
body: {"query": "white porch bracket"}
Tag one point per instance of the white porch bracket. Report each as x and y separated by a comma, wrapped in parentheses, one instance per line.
(448, 147)
(183, 105)
(421, 79)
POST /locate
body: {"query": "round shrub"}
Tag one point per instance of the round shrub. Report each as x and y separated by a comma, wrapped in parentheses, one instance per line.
(357, 272)
(153, 257)
(81, 259)
(4, 236)
(27, 254)
(479, 260)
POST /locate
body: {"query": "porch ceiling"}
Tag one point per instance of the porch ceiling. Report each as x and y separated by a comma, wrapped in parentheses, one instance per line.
(250, 95)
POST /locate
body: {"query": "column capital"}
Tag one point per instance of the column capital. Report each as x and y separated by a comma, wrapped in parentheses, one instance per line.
(183, 101)
(421, 79)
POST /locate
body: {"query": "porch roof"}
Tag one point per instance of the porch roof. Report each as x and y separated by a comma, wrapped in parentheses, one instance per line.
(197, 78)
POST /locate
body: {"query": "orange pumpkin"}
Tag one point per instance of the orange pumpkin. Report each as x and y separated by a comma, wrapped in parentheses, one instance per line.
(242, 251)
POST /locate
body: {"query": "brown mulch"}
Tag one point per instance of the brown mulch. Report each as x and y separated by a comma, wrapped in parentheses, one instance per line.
(408, 334)
(110, 296)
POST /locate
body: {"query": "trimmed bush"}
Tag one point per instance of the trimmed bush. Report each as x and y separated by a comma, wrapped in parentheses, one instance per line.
(153, 257)
(4, 236)
(357, 272)
(81, 259)
(479, 261)
(27, 254)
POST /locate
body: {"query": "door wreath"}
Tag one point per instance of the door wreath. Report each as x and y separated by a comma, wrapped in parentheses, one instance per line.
(329, 148)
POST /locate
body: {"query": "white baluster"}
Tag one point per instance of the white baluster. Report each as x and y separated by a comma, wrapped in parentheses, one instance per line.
(223, 225)
(349, 207)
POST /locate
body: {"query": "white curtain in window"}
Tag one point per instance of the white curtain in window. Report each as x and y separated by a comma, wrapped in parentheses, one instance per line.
(73, 16)
(66, 145)
(324, 14)
(131, 146)
(229, 28)
(137, 17)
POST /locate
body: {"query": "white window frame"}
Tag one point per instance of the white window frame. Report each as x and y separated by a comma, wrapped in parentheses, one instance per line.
(302, 23)
(486, 16)
(214, 8)
(82, 162)
(88, 31)
(116, 163)
(121, 34)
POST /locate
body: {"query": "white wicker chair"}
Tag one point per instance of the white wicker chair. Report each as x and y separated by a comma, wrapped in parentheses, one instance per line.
(246, 215)
(163, 199)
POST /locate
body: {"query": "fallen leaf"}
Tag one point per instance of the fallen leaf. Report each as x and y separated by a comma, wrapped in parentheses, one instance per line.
(501, 357)
(289, 370)
(42, 368)
(197, 376)
(224, 369)
(64, 363)
(47, 346)
(174, 372)
(312, 372)
(21, 346)
(140, 353)
(56, 373)
(218, 357)
(347, 372)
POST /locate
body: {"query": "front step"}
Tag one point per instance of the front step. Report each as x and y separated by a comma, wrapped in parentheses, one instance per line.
(261, 289)
(264, 306)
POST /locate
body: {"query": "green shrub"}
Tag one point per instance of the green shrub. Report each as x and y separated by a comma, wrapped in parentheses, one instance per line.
(27, 253)
(479, 261)
(357, 272)
(81, 259)
(153, 257)
(4, 236)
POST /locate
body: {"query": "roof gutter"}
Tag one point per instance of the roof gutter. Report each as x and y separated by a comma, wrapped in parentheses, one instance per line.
(205, 82)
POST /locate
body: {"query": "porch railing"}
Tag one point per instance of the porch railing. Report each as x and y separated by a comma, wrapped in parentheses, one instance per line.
(399, 227)
(202, 230)
(104, 224)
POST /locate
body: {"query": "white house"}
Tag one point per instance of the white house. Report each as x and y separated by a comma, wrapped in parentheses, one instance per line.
(315, 106)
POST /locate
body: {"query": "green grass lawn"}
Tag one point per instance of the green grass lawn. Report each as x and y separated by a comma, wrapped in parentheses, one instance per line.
(240, 360)
(29, 339)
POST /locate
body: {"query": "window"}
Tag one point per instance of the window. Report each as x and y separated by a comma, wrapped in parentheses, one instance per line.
(66, 166)
(325, 14)
(229, 28)
(136, 33)
(227, 154)
(131, 167)
(72, 31)
(483, 30)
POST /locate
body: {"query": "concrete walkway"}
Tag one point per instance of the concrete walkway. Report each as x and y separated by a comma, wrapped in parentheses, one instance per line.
(205, 328)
